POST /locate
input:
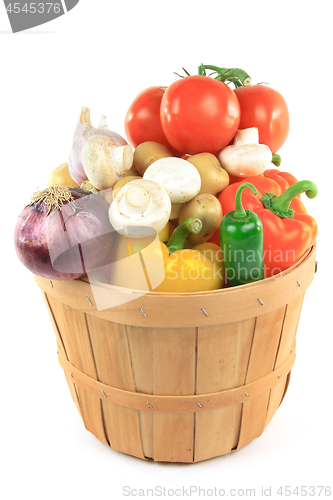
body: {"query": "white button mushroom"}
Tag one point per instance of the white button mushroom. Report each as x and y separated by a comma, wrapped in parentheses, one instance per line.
(141, 208)
(179, 177)
(246, 156)
(104, 162)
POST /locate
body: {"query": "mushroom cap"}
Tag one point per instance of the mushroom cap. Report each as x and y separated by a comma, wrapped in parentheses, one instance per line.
(246, 160)
(180, 178)
(141, 208)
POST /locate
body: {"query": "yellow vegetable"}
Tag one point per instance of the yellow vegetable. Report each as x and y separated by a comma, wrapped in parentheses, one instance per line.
(138, 262)
(189, 270)
(214, 253)
(166, 232)
(60, 176)
(145, 263)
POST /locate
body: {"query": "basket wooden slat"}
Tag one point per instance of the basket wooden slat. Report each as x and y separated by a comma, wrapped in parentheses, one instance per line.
(113, 367)
(122, 348)
(61, 348)
(216, 432)
(79, 353)
(141, 349)
(173, 373)
(266, 339)
(288, 334)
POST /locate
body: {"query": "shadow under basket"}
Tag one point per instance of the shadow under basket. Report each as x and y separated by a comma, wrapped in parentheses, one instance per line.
(179, 377)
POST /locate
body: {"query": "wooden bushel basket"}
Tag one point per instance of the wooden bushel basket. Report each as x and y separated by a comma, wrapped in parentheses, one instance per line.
(179, 377)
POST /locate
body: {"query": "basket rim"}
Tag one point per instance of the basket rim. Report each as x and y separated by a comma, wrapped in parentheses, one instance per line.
(181, 310)
(234, 289)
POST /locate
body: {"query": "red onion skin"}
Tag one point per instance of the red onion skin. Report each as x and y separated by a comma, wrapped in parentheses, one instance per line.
(67, 243)
(83, 132)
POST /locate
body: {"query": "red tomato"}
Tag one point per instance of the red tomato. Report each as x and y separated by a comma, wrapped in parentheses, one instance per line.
(199, 114)
(266, 109)
(142, 121)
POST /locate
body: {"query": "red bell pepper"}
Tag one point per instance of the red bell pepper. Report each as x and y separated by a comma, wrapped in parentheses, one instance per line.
(288, 229)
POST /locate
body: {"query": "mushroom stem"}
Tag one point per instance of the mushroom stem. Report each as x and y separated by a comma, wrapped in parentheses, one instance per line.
(246, 157)
(136, 201)
(140, 209)
(246, 136)
(122, 157)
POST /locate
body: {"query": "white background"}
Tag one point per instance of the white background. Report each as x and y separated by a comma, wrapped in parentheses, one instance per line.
(101, 55)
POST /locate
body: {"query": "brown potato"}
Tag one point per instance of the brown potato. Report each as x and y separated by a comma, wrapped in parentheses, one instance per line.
(148, 152)
(207, 208)
(60, 176)
(131, 173)
(213, 176)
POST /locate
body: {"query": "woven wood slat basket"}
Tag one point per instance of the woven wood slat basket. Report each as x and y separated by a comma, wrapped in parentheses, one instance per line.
(179, 377)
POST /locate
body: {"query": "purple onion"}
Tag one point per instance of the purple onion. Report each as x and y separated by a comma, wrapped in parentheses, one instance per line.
(64, 243)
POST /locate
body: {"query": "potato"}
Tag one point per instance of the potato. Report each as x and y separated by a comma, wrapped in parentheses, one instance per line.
(60, 176)
(148, 152)
(213, 176)
(207, 208)
(119, 184)
(131, 173)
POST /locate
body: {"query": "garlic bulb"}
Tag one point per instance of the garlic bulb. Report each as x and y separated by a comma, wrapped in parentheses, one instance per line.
(83, 131)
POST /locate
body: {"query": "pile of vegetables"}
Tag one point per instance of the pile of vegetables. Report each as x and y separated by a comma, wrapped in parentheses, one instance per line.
(192, 202)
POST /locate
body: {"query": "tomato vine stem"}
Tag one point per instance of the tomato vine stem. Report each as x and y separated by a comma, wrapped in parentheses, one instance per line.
(236, 76)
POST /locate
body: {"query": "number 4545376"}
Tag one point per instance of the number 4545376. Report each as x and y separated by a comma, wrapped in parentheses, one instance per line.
(34, 7)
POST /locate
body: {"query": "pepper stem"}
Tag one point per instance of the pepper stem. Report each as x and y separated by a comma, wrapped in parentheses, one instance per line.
(240, 212)
(280, 205)
(178, 237)
(236, 76)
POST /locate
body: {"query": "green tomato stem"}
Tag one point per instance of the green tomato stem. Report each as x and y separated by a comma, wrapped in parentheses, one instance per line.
(234, 75)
